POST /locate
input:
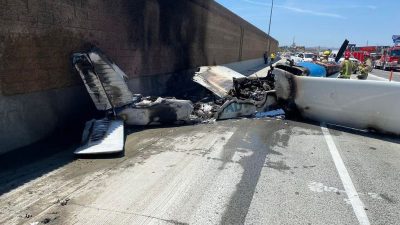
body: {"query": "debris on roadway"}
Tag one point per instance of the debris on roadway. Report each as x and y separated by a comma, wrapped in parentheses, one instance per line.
(286, 89)
(278, 113)
(239, 96)
(102, 137)
(156, 111)
(217, 79)
(107, 87)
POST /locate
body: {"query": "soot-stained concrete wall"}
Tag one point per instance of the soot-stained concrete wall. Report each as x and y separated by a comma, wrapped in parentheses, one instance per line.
(151, 40)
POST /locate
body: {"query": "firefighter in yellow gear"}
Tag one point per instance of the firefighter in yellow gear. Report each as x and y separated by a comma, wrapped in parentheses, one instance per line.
(272, 57)
(347, 67)
(368, 62)
(365, 68)
(325, 57)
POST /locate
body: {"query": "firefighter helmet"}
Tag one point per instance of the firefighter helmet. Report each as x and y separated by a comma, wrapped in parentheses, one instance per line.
(347, 55)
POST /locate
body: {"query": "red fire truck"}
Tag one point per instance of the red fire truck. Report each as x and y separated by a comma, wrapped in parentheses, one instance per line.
(360, 55)
(390, 59)
(360, 52)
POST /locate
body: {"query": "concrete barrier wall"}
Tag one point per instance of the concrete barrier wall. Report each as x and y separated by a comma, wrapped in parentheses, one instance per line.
(148, 39)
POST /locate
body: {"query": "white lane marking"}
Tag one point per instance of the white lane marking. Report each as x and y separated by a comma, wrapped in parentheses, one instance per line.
(375, 77)
(356, 203)
(378, 78)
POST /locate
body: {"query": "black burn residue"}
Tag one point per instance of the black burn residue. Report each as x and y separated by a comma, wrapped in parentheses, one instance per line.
(162, 113)
(298, 71)
(289, 105)
(176, 25)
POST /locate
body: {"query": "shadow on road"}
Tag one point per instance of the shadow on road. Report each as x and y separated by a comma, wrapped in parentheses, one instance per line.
(28, 163)
(370, 134)
(261, 138)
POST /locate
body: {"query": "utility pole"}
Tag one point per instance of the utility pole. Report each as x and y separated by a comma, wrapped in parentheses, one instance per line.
(269, 28)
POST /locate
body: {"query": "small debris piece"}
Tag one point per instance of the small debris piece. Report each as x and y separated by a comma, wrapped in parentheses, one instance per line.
(46, 221)
(156, 111)
(274, 113)
(65, 202)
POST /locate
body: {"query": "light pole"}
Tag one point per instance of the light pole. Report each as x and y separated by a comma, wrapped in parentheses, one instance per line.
(269, 28)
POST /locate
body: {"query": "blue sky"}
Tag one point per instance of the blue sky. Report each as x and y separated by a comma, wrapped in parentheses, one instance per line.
(323, 22)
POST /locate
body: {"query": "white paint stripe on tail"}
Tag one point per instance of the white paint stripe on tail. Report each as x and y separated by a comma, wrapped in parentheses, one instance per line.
(356, 203)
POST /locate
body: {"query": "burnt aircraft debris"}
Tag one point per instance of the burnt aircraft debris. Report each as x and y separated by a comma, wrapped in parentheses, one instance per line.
(349, 103)
(278, 113)
(103, 79)
(237, 95)
(233, 95)
(101, 137)
(217, 79)
(157, 111)
(107, 87)
(252, 88)
(235, 107)
(290, 67)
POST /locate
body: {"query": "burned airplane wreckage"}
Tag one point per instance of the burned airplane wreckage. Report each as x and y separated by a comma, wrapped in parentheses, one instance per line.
(238, 95)
(107, 87)
(233, 95)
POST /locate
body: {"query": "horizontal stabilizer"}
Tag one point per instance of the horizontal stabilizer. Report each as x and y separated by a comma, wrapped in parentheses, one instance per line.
(102, 137)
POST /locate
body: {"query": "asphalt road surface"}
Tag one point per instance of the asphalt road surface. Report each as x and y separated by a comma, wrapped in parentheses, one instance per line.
(249, 171)
(386, 74)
